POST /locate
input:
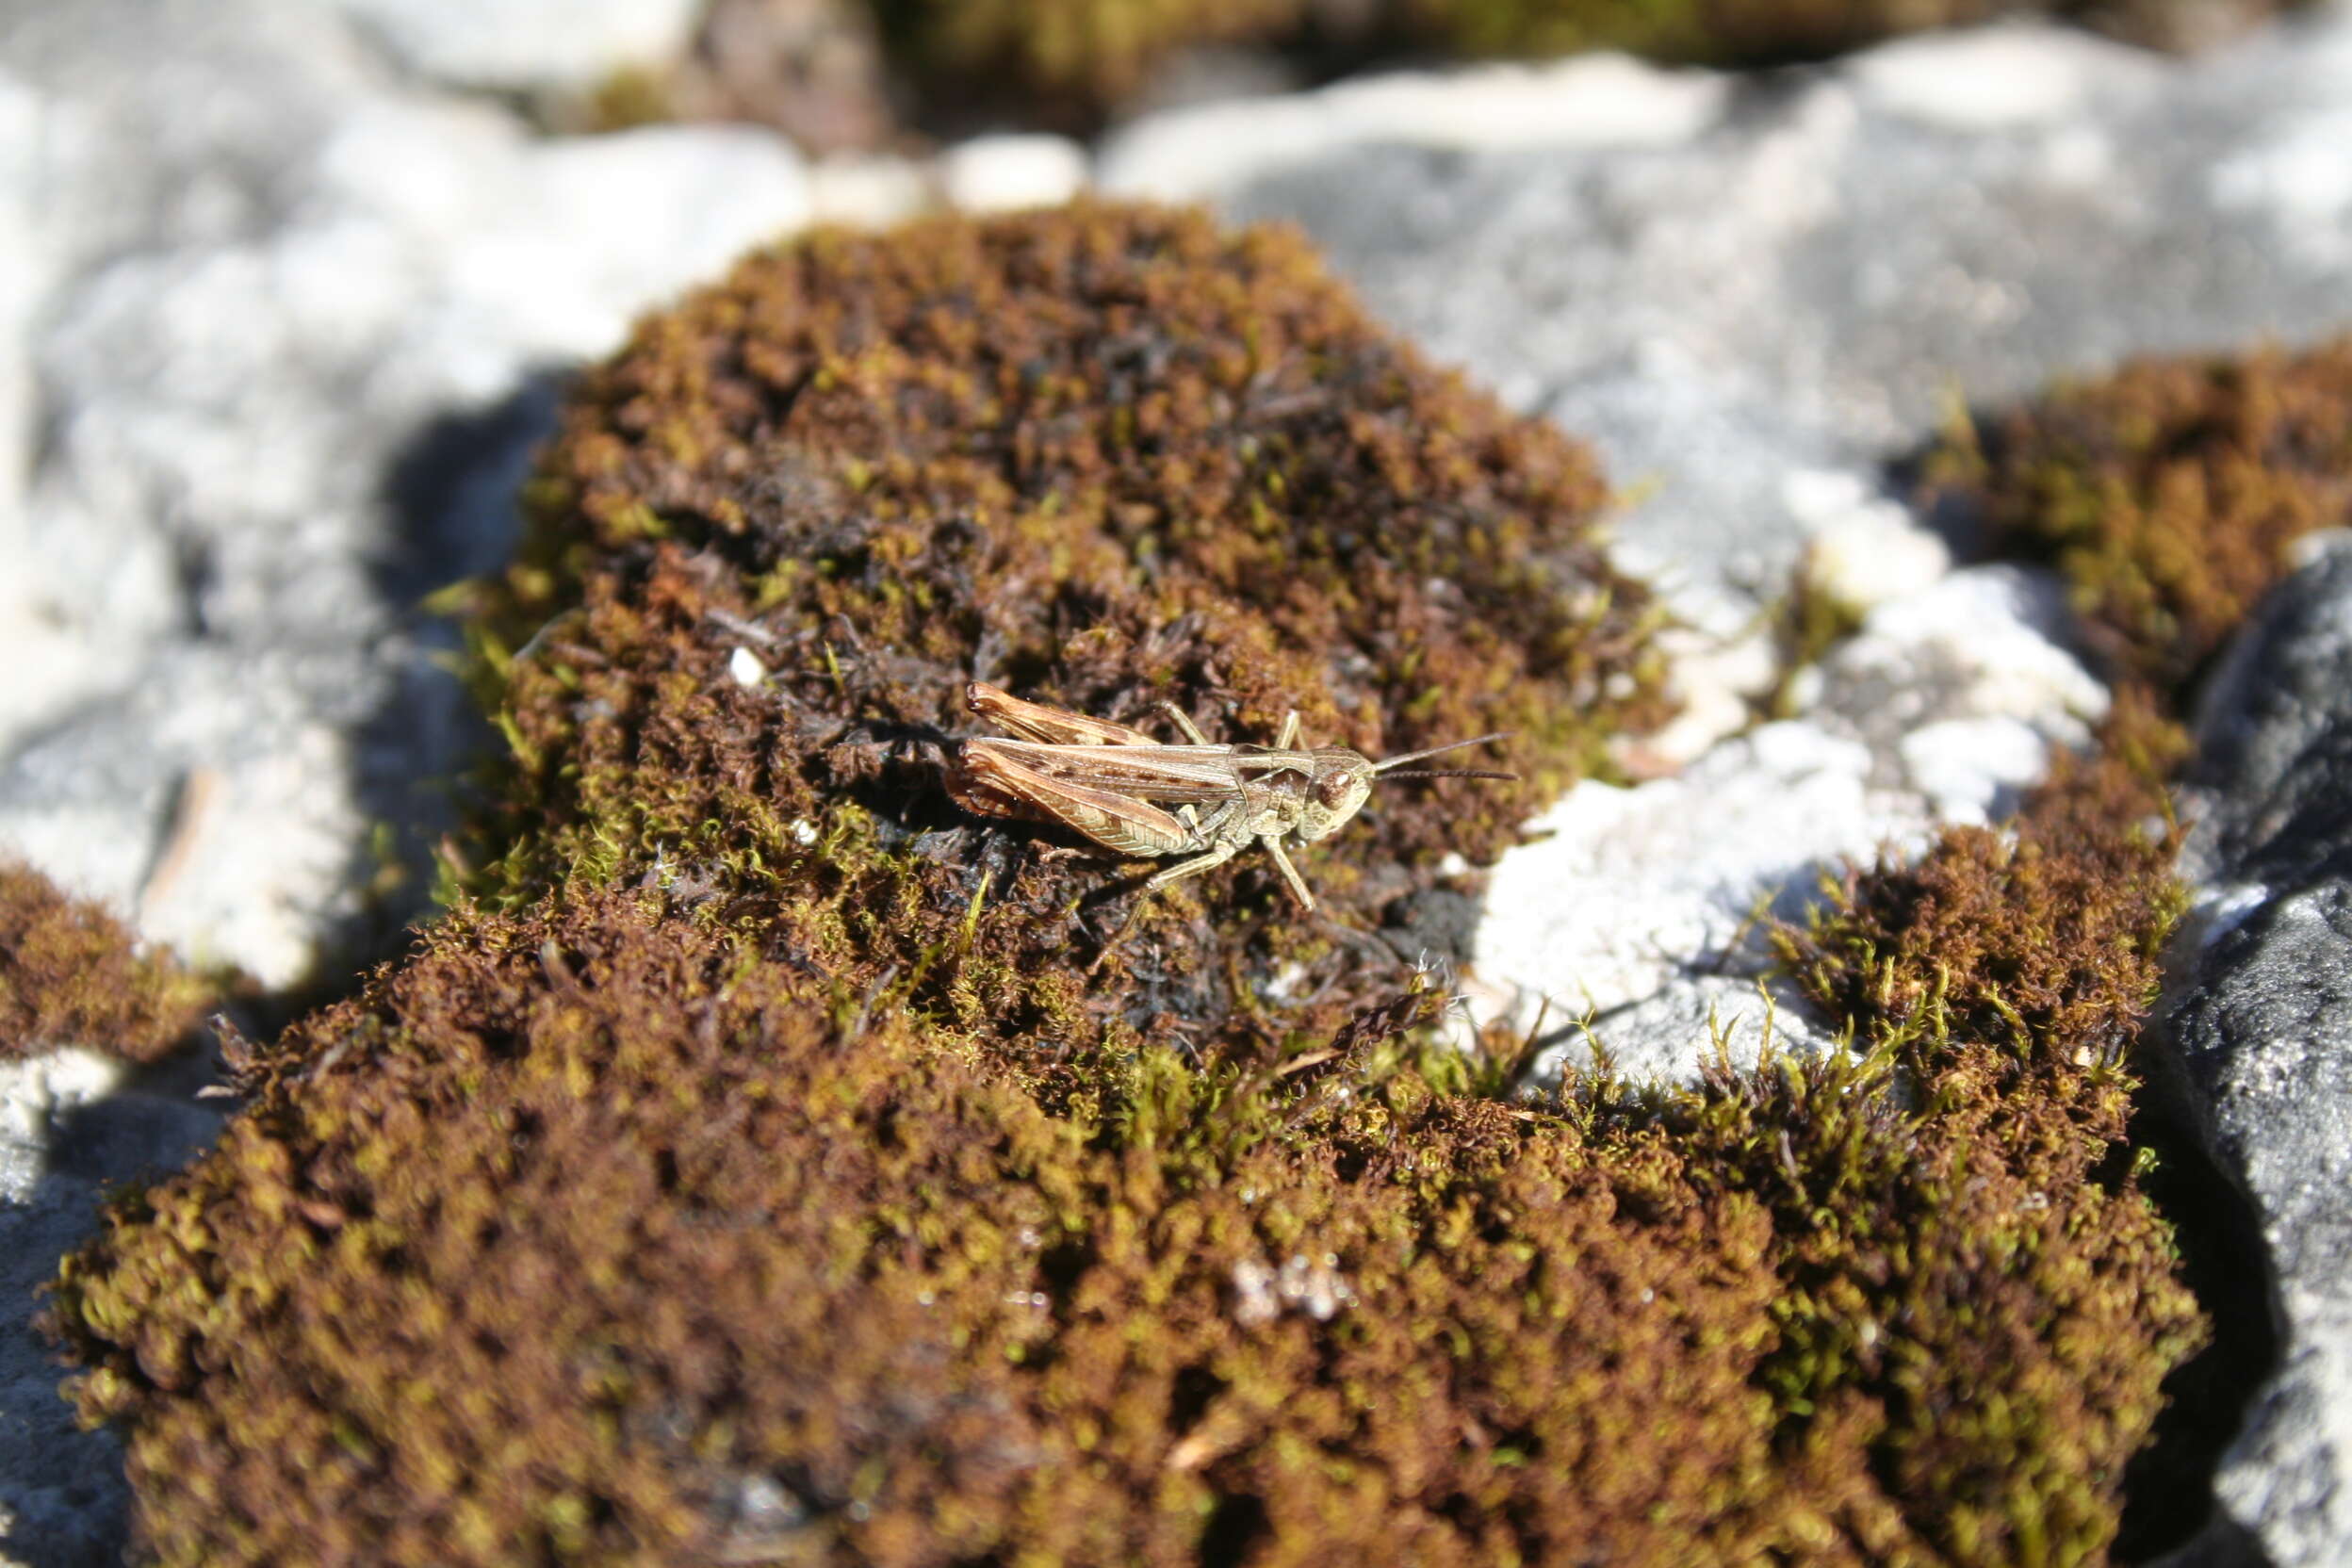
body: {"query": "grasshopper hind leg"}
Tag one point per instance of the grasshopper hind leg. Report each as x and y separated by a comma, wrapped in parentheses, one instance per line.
(1193, 867)
(1183, 722)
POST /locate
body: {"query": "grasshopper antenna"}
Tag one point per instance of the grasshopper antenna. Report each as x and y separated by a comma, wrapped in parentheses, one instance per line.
(1451, 745)
(1453, 773)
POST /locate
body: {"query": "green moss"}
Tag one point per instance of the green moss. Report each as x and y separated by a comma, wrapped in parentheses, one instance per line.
(70, 975)
(2169, 492)
(759, 1169)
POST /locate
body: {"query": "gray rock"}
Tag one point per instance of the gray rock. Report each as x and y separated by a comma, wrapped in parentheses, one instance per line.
(71, 1125)
(2261, 1036)
(2273, 750)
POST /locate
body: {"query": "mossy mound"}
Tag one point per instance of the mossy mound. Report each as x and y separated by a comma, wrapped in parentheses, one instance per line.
(2171, 493)
(759, 1169)
(72, 975)
(1105, 457)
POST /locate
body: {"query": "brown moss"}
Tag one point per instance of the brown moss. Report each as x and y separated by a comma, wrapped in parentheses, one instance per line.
(2169, 492)
(70, 975)
(2046, 929)
(595, 1237)
(599, 1234)
(1073, 54)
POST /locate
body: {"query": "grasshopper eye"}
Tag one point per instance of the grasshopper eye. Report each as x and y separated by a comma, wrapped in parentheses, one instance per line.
(1332, 789)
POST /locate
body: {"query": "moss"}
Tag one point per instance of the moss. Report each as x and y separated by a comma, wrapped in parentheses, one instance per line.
(759, 1169)
(2045, 930)
(1066, 54)
(70, 975)
(2169, 492)
(599, 1240)
(1761, 32)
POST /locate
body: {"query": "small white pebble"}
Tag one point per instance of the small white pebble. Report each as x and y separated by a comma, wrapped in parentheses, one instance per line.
(997, 173)
(745, 667)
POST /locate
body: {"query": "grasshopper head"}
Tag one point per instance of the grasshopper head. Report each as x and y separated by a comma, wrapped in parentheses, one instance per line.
(1341, 784)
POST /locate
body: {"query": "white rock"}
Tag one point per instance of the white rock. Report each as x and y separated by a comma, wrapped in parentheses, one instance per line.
(1978, 643)
(1638, 903)
(34, 1092)
(527, 44)
(1625, 889)
(1866, 549)
(216, 561)
(1999, 77)
(868, 189)
(1588, 101)
(1969, 769)
(998, 173)
(1666, 1036)
(744, 669)
(1715, 681)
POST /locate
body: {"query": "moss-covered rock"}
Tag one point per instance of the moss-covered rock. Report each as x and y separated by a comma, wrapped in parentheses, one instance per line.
(2171, 493)
(72, 975)
(761, 1166)
(1106, 458)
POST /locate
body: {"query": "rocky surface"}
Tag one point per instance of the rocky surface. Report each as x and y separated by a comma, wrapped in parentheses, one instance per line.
(279, 322)
(2263, 1030)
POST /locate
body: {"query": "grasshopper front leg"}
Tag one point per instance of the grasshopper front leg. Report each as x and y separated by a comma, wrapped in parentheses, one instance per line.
(1273, 842)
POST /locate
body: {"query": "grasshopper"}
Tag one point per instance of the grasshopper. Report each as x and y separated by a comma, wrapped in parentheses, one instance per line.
(1110, 782)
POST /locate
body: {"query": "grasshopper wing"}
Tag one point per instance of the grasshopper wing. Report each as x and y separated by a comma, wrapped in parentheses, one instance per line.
(1000, 780)
(1035, 721)
(1206, 775)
